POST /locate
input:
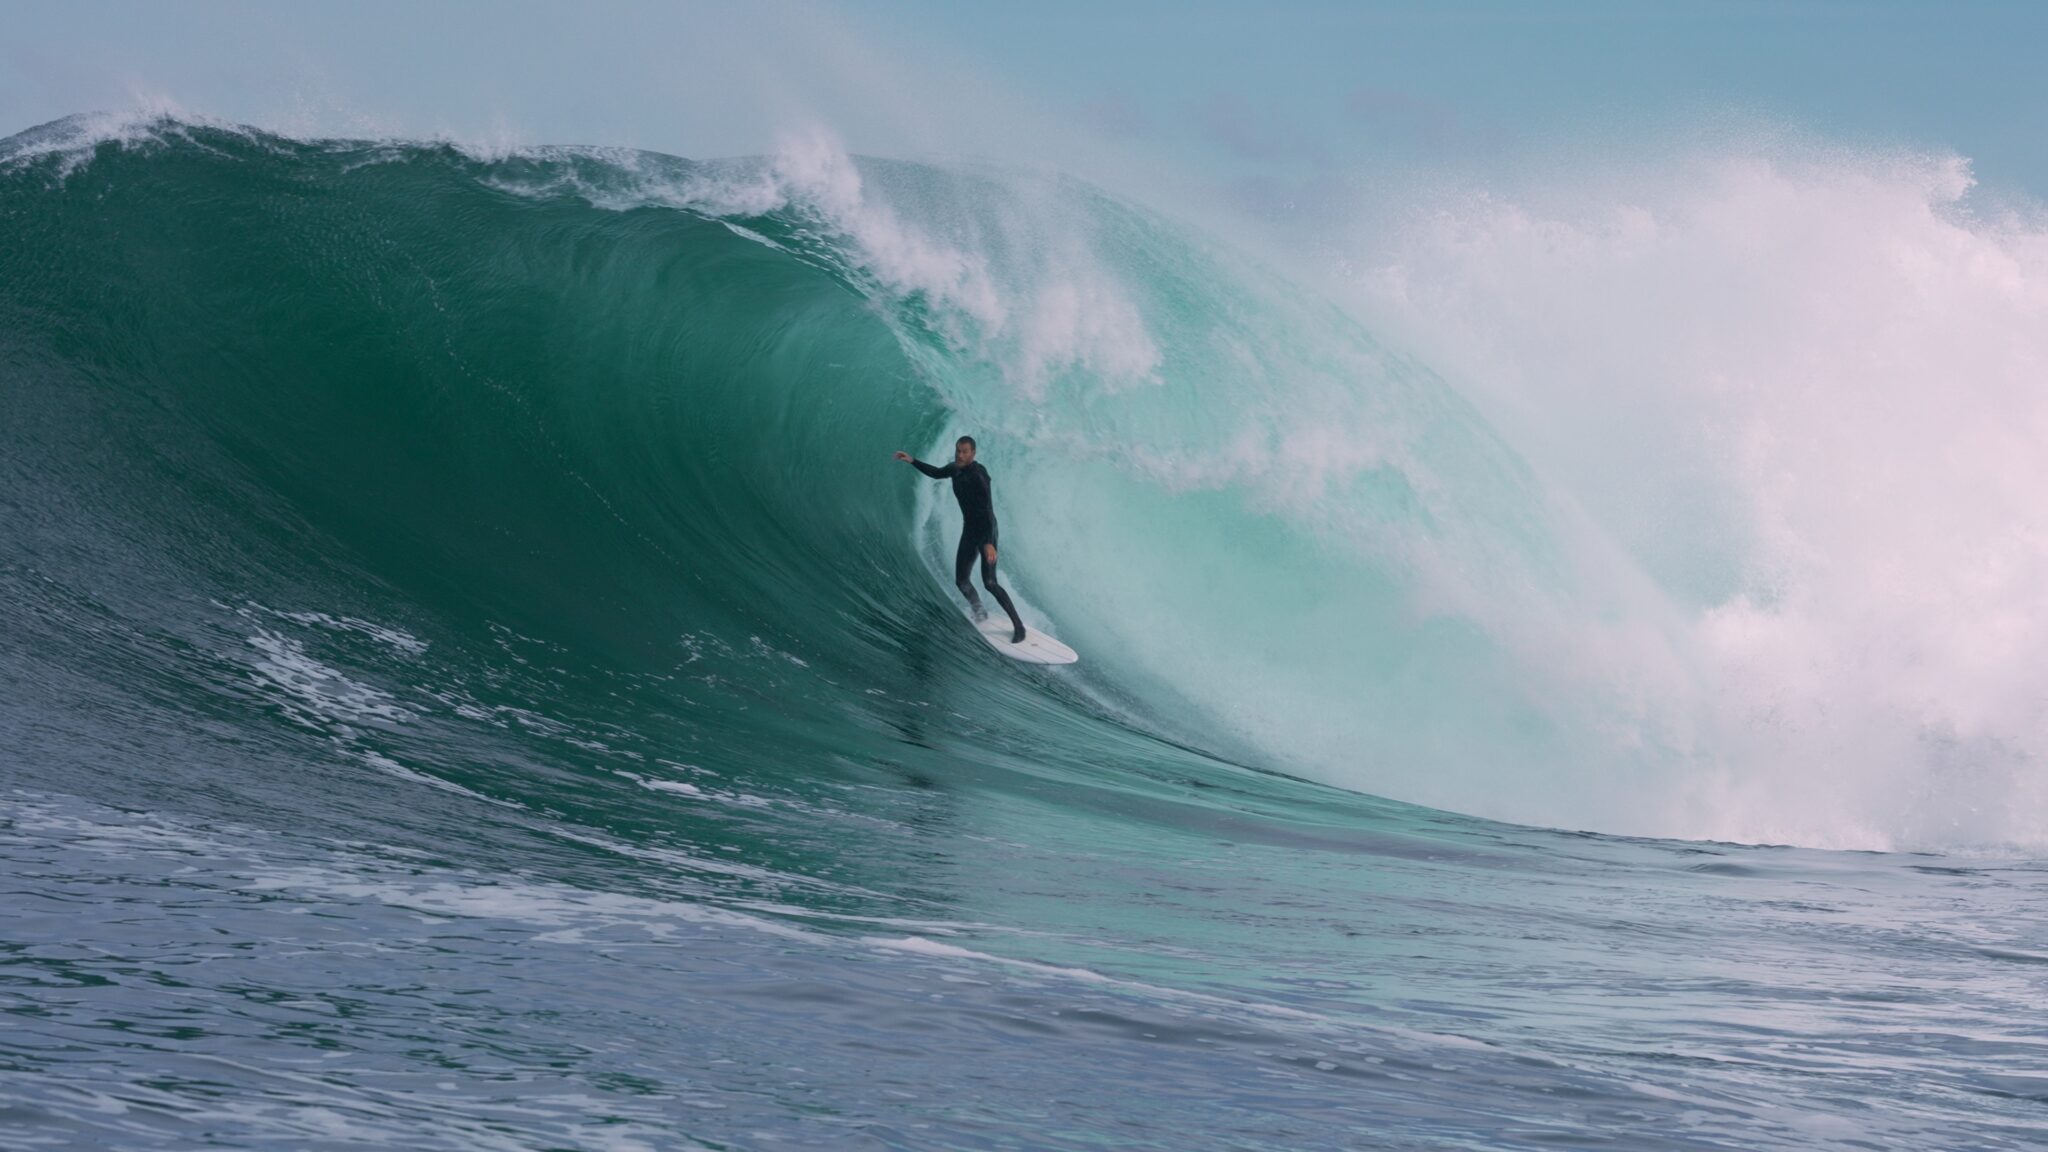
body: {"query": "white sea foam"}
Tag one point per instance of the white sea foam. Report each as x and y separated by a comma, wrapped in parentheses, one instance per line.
(397, 639)
(1804, 389)
(390, 767)
(1032, 302)
(313, 693)
(147, 120)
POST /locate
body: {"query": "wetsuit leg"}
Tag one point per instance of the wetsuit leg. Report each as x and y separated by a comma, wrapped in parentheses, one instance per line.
(963, 567)
(988, 581)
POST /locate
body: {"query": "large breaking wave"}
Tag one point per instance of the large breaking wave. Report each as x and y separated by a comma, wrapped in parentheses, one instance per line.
(636, 411)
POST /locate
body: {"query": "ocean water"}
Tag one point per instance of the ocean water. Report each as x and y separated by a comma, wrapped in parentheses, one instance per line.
(471, 676)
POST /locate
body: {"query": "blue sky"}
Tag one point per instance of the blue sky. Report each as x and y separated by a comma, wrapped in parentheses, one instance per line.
(1280, 94)
(1350, 79)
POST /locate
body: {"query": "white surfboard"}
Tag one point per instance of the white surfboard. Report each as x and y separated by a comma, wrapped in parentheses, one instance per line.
(1037, 648)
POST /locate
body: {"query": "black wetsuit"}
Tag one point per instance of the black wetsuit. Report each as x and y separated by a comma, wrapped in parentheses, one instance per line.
(977, 527)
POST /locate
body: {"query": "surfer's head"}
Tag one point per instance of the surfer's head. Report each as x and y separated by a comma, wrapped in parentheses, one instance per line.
(963, 451)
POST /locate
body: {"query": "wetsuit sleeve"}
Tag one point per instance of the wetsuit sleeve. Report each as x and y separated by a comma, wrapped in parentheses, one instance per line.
(934, 471)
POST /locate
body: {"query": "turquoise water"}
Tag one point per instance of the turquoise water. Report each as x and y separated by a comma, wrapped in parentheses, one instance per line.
(471, 676)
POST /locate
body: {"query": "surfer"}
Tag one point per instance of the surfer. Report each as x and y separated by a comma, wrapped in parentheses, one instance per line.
(977, 528)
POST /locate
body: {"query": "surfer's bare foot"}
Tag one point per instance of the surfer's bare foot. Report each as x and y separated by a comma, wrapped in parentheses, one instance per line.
(978, 612)
(1019, 637)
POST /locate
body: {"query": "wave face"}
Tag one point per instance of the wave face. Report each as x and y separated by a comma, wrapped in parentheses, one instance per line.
(500, 557)
(616, 399)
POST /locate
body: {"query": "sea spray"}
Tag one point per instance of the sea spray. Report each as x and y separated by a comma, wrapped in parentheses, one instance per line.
(1802, 387)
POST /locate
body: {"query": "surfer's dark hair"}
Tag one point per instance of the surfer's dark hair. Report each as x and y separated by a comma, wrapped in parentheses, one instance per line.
(967, 440)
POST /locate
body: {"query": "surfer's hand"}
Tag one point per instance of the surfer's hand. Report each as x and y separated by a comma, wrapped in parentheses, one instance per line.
(903, 455)
(989, 550)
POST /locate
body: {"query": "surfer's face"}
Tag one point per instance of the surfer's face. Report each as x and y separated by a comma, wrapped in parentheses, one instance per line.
(963, 454)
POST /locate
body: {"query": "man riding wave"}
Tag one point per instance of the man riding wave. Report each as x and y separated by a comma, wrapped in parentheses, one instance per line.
(971, 487)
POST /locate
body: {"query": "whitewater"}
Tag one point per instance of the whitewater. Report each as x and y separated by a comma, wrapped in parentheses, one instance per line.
(471, 675)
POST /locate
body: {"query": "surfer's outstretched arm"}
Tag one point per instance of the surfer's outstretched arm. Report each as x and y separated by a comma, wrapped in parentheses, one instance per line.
(931, 470)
